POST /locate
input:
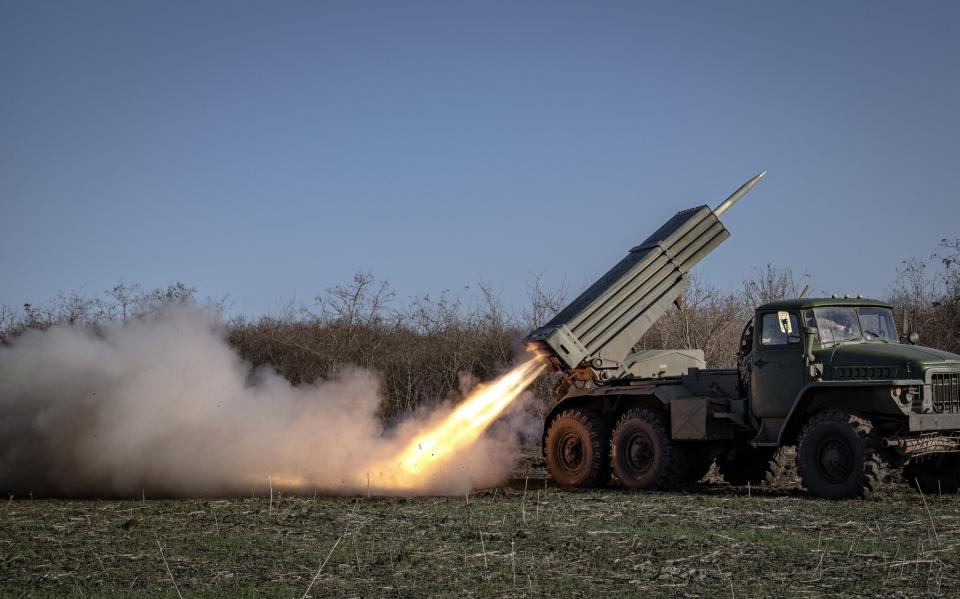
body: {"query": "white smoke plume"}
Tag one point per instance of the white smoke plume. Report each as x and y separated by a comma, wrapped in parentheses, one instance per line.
(163, 406)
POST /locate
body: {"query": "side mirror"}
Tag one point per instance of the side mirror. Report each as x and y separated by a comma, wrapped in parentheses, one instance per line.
(785, 326)
(809, 335)
(914, 338)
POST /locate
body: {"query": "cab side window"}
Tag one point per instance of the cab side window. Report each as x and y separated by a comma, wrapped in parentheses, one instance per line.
(771, 333)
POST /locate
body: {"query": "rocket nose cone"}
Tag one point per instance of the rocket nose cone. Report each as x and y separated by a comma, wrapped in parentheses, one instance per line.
(738, 194)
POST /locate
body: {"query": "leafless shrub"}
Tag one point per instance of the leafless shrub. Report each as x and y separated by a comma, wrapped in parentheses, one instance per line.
(706, 318)
(8, 321)
(421, 351)
(543, 304)
(927, 297)
(123, 301)
(359, 303)
(126, 298)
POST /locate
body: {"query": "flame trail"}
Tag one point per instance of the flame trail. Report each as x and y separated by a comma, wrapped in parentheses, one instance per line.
(430, 449)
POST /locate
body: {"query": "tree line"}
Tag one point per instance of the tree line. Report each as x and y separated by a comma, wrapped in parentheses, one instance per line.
(433, 347)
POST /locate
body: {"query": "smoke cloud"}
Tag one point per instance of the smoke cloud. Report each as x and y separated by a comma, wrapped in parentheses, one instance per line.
(163, 406)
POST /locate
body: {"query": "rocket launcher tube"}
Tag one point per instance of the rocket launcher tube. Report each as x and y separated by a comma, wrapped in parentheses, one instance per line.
(605, 321)
(636, 292)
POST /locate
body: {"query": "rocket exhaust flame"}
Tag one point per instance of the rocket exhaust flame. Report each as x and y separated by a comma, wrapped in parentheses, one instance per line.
(411, 466)
(461, 428)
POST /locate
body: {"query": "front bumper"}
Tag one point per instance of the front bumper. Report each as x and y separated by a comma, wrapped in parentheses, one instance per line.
(934, 422)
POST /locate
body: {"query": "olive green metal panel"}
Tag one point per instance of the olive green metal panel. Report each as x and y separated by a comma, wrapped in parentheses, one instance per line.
(658, 363)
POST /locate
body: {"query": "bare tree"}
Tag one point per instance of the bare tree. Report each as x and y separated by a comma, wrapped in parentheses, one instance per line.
(8, 321)
(175, 293)
(361, 302)
(126, 297)
(428, 315)
(544, 303)
(772, 284)
(928, 296)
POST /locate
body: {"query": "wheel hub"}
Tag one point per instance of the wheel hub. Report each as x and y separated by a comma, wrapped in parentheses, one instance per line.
(639, 452)
(835, 460)
(571, 452)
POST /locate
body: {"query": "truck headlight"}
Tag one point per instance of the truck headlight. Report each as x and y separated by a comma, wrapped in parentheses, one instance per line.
(904, 395)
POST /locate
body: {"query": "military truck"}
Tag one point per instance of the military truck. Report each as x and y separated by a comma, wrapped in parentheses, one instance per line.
(828, 376)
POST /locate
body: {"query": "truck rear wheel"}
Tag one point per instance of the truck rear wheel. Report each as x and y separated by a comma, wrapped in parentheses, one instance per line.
(643, 456)
(934, 473)
(577, 450)
(838, 455)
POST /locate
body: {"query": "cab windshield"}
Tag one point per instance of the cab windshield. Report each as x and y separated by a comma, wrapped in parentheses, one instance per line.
(840, 323)
(877, 323)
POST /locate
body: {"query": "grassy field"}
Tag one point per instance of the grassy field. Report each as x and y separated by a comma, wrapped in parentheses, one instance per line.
(525, 540)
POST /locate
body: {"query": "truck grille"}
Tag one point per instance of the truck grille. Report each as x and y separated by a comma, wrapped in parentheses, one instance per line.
(946, 392)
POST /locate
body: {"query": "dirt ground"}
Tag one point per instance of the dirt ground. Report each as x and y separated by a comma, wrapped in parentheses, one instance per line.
(528, 539)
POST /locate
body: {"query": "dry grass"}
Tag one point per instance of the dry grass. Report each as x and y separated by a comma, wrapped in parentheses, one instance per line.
(524, 540)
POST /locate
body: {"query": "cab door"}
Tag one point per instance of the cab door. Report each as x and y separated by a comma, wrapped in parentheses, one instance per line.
(777, 369)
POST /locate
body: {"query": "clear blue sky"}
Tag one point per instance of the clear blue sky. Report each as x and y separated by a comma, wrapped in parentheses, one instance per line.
(269, 150)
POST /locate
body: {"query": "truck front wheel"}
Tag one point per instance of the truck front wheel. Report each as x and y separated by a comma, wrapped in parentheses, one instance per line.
(838, 455)
(642, 455)
(577, 450)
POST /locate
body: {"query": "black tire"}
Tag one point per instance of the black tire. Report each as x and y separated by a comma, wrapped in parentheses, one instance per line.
(782, 469)
(760, 466)
(576, 451)
(642, 455)
(934, 474)
(838, 455)
(748, 466)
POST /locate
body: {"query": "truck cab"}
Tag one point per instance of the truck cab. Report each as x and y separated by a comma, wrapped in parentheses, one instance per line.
(801, 354)
(808, 361)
